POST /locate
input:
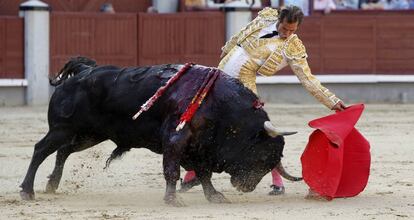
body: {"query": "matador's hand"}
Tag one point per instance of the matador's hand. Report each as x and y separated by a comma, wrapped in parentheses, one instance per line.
(340, 106)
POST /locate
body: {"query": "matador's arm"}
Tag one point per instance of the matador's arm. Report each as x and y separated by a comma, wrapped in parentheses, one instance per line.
(267, 14)
(296, 54)
(229, 45)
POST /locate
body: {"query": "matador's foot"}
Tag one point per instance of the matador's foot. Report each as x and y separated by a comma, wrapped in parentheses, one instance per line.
(277, 190)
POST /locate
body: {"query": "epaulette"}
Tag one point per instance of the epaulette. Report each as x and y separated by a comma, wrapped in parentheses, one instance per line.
(268, 14)
(295, 49)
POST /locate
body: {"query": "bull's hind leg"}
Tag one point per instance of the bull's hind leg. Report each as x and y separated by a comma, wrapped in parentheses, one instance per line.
(210, 192)
(77, 144)
(48, 145)
(173, 145)
(54, 178)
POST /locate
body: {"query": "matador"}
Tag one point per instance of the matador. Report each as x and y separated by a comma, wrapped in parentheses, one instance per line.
(252, 52)
(266, 45)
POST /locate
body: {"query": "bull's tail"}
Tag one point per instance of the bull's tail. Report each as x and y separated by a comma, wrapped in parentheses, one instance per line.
(282, 172)
(118, 152)
(74, 66)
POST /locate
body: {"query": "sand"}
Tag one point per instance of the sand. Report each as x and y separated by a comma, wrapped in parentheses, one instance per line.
(133, 187)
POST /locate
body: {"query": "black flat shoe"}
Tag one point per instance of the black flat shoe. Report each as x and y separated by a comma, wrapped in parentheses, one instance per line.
(277, 190)
(185, 186)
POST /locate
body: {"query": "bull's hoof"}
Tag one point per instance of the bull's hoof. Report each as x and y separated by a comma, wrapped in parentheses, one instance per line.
(51, 188)
(27, 196)
(217, 198)
(174, 200)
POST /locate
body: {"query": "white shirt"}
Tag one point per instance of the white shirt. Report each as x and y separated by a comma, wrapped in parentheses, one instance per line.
(268, 30)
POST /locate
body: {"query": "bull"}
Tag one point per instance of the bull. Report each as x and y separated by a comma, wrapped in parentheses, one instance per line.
(228, 133)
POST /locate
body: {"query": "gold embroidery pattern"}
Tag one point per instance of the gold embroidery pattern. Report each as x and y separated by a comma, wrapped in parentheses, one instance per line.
(247, 74)
(301, 69)
(295, 48)
(267, 61)
(265, 17)
(271, 65)
(268, 14)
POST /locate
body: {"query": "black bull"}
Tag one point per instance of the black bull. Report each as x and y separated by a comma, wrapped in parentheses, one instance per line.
(92, 104)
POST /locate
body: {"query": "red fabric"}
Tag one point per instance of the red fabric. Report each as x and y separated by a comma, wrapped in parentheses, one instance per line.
(336, 161)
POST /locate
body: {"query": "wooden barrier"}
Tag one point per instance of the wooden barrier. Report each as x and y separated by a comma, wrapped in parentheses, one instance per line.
(11, 47)
(179, 38)
(11, 7)
(356, 42)
(109, 39)
(343, 42)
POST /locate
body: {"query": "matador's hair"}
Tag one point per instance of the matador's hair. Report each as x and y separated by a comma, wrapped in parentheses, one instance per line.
(291, 13)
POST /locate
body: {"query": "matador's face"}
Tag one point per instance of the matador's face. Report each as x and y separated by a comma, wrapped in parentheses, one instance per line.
(286, 29)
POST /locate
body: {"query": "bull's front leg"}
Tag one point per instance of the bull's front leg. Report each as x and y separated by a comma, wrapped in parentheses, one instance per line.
(173, 149)
(211, 194)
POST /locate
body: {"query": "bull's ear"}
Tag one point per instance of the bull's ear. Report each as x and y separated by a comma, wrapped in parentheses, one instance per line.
(273, 132)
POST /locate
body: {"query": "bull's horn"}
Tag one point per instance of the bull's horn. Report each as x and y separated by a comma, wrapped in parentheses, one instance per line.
(273, 132)
(282, 172)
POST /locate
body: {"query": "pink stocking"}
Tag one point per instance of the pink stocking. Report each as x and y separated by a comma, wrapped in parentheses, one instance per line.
(276, 179)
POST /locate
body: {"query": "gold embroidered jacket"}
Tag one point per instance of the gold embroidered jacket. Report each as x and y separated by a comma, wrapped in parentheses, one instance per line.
(247, 54)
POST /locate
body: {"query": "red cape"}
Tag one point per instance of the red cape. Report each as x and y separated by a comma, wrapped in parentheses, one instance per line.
(336, 161)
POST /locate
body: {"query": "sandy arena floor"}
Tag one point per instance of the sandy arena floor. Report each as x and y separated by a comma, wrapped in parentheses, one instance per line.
(133, 188)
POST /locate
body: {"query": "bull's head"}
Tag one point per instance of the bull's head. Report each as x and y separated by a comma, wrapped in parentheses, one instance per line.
(259, 159)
